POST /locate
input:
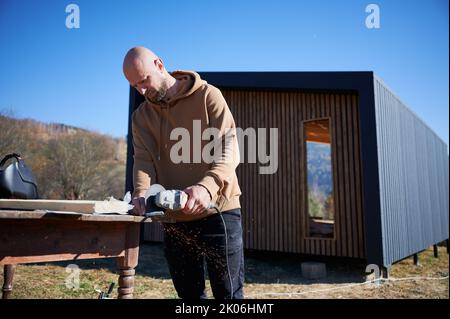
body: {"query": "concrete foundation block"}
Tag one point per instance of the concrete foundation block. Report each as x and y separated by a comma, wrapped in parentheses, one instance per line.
(313, 270)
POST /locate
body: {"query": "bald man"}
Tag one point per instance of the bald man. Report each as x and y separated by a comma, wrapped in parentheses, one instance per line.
(175, 104)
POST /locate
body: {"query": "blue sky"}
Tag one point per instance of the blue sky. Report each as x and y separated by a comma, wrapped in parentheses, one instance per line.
(74, 76)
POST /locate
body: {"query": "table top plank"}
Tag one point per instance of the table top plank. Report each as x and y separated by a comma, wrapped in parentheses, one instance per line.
(45, 214)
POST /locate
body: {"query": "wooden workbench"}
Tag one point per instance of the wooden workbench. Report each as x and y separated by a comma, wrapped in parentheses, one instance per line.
(42, 236)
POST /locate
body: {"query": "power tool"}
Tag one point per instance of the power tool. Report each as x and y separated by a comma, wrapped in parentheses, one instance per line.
(158, 197)
(158, 200)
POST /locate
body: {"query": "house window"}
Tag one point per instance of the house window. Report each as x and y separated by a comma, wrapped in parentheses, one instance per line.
(319, 179)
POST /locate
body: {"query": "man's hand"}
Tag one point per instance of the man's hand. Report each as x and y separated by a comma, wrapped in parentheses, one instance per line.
(139, 206)
(198, 199)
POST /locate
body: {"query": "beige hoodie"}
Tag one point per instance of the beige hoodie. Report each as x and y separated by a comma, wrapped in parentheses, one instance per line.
(152, 125)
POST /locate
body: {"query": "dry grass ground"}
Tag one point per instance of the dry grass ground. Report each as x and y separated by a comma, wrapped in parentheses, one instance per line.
(267, 276)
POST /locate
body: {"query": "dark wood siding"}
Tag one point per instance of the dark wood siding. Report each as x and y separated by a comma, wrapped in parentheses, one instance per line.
(153, 232)
(273, 206)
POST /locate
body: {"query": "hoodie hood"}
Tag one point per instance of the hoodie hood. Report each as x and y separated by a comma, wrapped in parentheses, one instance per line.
(188, 82)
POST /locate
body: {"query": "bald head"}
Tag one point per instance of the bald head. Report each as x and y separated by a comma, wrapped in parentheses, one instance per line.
(137, 62)
(145, 71)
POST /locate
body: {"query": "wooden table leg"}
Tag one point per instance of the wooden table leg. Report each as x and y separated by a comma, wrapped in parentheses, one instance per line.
(127, 263)
(126, 283)
(8, 275)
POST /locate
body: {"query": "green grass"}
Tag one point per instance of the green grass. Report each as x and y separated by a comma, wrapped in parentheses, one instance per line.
(267, 276)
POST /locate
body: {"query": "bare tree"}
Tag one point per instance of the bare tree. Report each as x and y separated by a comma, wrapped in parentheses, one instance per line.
(68, 163)
(14, 136)
(82, 165)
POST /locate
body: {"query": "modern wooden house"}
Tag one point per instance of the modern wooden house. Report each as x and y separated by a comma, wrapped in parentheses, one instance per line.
(359, 174)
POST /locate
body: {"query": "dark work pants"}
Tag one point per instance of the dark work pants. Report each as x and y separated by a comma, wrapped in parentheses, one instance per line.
(188, 245)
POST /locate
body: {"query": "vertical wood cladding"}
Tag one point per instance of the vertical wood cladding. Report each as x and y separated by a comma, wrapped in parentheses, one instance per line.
(273, 206)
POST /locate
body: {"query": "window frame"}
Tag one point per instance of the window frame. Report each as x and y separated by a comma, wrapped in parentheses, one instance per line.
(306, 226)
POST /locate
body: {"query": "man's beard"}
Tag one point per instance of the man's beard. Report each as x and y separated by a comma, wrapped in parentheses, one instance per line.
(160, 94)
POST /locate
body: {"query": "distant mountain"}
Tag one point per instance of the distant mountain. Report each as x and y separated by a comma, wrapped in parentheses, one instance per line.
(319, 167)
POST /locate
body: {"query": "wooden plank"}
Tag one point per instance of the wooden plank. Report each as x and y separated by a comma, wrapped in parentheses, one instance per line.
(282, 171)
(23, 240)
(302, 179)
(326, 244)
(279, 176)
(328, 113)
(276, 193)
(254, 118)
(272, 183)
(154, 232)
(247, 200)
(242, 108)
(251, 180)
(261, 206)
(51, 258)
(296, 222)
(341, 181)
(254, 114)
(321, 114)
(334, 158)
(297, 115)
(250, 114)
(288, 176)
(316, 114)
(312, 106)
(345, 133)
(345, 173)
(352, 177)
(250, 184)
(79, 206)
(308, 115)
(42, 214)
(292, 159)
